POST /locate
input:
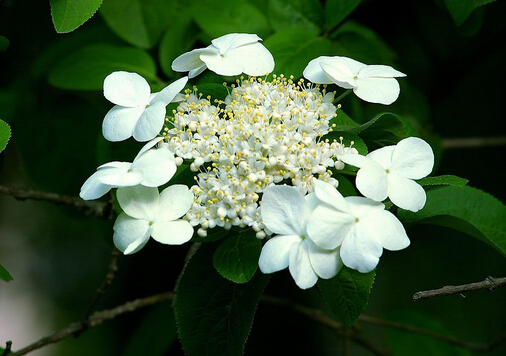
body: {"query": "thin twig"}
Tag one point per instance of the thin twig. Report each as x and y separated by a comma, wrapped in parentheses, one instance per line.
(489, 283)
(8, 345)
(95, 319)
(94, 208)
(472, 142)
(368, 345)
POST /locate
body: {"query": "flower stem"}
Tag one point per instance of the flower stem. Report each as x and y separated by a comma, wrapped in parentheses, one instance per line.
(342, 96)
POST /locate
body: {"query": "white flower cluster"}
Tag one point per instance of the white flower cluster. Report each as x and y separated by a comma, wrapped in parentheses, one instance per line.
(264, 133)
(261, 161)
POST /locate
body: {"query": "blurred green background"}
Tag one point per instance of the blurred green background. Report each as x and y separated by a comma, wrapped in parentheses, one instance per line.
(50, 94)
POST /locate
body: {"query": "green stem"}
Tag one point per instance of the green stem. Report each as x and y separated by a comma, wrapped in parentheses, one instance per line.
(340, 97)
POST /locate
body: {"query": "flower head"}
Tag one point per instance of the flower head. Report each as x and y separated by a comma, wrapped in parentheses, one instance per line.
(150, 168)
(360, 226)
(231, 54)
(390, 170)
(147, 213)
(286, 212)
(137, 112)
(372, 83)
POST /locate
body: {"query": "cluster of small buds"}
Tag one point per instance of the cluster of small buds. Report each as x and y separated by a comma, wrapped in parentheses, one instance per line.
(263, 133)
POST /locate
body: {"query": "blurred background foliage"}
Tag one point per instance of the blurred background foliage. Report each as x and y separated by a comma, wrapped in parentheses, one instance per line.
(50, 94)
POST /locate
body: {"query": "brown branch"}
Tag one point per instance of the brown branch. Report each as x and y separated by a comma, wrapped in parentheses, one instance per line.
(472, 142)
(95, 319)
(93, 208)
(489, 283)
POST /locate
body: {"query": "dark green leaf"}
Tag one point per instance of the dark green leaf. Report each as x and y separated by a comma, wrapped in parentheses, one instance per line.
(384, 129)
(348, 139)
(342, 121)
(345, 187)
(4, 43)
(139, 22)
(155, 334)
(337, 10)
(467, 209)
(218, 18)
(5, 134)
(215, 91)
(213, 234)
(4, 274)
(347, 293)
(179, 38)
(70, 14)
(413, 344)
(306, 15)
(443, 180)
(293, 49)
(461, 9)
(214, 316)
(86, 68)
(237, 257)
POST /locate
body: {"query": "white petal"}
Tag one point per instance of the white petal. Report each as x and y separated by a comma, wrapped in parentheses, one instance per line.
(405, 193)
(300, 267)
(255, 59)
(326, 263)
(413, 158)
(329, 195)
(284, 210)
(119, 123)
(194, 72)
(226, 65)
(385, 228)
(191, 60)
(172, 232)
(175, 201)
(312, 201)
(361, 207)
(126, 89)
(150, 123)
(383, 156)
(234, 40)
(314, 73)
(130, 235)
(377, 90)
(149, 145)
(372, 181)
(359, 251)
(356, 160)
(379, 71)
(139, 202)
(328, 227)
(156, 167)
(343, 78)
(168, 94)
(93, 188)
(119, 176)
(275, 253)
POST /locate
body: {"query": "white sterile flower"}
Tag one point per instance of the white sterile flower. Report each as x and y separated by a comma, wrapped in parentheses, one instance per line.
(390, 170)
(147, 213)
(231, 54)
(137, 113)
(286, 212)
(150, 168)
(372, 83)
(360, 226)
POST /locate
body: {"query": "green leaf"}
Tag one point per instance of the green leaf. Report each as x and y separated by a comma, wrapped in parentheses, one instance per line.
(214, 316)
(5, 134)
(348, 138)
(337, 10)
(70, 14)
(345, 187)
(461, 9)
(236, 258)
(139, 22)
(218, 18)
(293, 49)
(347, 293)
(466, 209)
(443, 180)
(342, 121)
(86, 68)
(413, 344)
(214, 234)
(215, 91)
(155, 334)
(4, 274)
(4, 43)
(384, 129)
(306, 15)
(179, 38)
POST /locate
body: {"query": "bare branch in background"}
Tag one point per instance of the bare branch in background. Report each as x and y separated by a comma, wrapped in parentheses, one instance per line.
(489, 283)
(472, 142)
